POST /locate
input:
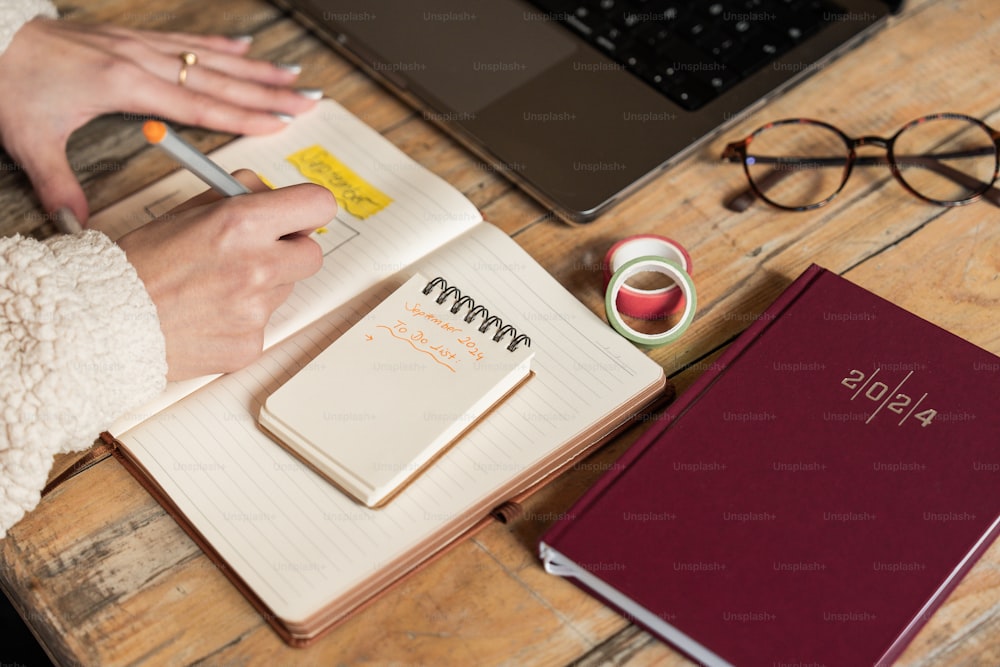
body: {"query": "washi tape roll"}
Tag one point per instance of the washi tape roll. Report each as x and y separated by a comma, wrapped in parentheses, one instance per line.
(660, 265)
(647, 304)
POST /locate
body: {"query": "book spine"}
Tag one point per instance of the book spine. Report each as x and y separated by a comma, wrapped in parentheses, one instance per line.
(940, 595)
(687, 399)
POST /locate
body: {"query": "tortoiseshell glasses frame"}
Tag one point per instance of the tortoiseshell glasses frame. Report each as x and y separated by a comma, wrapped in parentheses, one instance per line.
(962, 153)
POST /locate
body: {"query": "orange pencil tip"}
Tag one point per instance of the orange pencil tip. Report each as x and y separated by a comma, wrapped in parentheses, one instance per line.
(154, 131)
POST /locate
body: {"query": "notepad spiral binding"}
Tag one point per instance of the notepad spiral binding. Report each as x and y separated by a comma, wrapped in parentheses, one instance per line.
(476, 311)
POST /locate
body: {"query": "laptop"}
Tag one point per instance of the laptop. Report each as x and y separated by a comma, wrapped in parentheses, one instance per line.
(581, 103)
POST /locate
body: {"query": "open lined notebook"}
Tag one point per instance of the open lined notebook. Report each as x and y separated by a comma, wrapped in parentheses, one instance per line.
(301, 550)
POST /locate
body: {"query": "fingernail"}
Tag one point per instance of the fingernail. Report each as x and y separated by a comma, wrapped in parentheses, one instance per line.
(310, 93)
(283, 117)
(246, 39)
(295, 68)
(66, 221)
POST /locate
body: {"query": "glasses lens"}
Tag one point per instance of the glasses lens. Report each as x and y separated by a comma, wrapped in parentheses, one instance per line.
(797, 164)
(946, 159)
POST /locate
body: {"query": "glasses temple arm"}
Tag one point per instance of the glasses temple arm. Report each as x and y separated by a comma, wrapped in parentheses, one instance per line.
(991, 194)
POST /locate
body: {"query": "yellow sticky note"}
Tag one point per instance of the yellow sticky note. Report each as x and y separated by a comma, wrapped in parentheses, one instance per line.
(359, 197)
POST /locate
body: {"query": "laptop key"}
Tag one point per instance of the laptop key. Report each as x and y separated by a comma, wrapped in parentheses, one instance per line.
(723, 78)
(691, 92)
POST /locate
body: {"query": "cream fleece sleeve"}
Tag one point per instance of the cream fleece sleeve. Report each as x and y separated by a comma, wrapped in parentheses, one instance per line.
(15, 13)
(80, 344)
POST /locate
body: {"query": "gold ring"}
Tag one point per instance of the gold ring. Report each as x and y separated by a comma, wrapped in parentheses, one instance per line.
(188, 59)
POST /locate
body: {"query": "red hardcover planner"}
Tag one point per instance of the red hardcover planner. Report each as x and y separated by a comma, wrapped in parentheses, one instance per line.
(811, 499)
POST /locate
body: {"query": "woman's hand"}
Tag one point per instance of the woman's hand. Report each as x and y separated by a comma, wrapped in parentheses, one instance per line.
(58, 75)
(217, 268)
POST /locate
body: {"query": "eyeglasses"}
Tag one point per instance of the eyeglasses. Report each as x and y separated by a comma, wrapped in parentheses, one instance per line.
(800, 164)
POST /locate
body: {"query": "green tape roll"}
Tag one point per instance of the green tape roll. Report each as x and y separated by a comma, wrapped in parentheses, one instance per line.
(659, 265)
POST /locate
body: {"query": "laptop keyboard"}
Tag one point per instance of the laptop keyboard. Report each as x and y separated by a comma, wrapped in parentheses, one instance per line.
(692, 50)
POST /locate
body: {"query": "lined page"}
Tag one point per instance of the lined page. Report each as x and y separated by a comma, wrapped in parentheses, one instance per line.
(424, 212)
(299, 542)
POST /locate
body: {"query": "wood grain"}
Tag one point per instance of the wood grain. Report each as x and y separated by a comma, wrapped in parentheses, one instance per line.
(105, 577)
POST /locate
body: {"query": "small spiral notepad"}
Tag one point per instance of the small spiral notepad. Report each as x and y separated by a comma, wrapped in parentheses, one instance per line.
(379, 404)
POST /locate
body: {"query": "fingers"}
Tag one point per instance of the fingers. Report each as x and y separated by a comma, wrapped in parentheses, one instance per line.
(223, 91)
(244, 176)
(221, 71)
(211, 68)
(251, 180)
(254, 83)
(222, 54)
(254, 115)
(297, 210)
(274, 224)
(228, 63)
(283, 219)
(278, 224)
(180, 41)
(52, 177)
(301, 258)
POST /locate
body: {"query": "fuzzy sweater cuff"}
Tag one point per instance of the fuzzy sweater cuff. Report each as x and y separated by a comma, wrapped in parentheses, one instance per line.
(80, 344)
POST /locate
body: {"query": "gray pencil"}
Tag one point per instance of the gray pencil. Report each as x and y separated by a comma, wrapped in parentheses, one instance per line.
(159, 134)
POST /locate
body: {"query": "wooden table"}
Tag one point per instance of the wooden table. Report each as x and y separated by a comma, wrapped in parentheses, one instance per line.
(105, 577)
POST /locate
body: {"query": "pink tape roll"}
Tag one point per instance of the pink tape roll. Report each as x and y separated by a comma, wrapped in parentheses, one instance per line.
(641, 303)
